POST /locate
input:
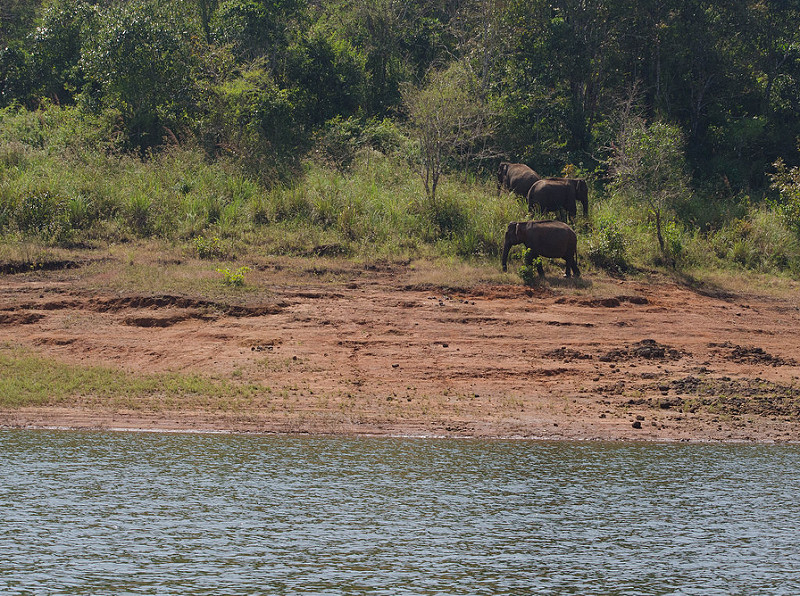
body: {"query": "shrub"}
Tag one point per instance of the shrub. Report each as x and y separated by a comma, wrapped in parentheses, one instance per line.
(234, 277)
(760, 241)
(787, 182)
(648, 165)
(340, 140)
(608, 248)
(529, 273)
(138, 213)
(208, 248)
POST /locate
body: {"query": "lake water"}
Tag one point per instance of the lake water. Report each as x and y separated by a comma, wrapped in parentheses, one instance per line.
(143, 513)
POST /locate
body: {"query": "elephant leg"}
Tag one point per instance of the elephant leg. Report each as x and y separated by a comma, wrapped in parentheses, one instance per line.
(539, 268)
(528, 258)
(572, 265)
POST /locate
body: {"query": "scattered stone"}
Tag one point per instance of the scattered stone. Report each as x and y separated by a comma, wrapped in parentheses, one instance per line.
(750, 355)
(564, 353)
(647, 349)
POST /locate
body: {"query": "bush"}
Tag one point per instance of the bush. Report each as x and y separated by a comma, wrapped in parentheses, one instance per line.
(141, 62)
(340, 140)
(607, 247)
(787, 182)
(529, 273)
(208, 248)
(760, 241)
(41, 214)
(234, 277)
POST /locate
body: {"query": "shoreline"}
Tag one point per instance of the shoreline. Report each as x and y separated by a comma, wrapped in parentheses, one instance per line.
(583, 431)
(375, 353)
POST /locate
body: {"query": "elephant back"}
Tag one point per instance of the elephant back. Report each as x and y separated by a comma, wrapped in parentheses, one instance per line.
(553, 238)
(553, 195)
(518, 177)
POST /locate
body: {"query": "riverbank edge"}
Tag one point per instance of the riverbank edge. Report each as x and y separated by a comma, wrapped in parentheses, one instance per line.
(579, 431)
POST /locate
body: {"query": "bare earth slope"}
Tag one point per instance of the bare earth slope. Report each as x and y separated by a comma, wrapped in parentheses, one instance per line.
(376, 355)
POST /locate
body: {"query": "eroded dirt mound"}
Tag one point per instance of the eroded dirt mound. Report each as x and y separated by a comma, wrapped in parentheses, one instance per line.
(648, 349)
(750, 355)
(15, 267)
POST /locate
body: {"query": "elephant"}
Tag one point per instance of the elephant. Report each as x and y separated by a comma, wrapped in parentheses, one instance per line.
(581, 191)
(516, 177)
(553, 195)
(548, 238)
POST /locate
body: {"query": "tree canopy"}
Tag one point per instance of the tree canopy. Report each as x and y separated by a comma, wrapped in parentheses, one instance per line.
(262, 77)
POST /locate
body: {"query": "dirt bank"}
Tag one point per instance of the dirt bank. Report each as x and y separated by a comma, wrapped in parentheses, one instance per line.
(376, 354)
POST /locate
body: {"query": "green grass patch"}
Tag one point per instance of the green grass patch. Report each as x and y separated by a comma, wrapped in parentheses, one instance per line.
(29, 380)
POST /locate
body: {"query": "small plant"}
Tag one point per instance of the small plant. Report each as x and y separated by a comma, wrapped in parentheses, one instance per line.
(607, 248)
(208, 248)
(787, 182)
(674, 250)
(139, 213)
(234, 277)
(529, 273)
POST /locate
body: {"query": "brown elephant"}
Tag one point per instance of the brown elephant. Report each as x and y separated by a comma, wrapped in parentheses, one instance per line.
(553, 195)
(549, 238)
(581, 191)
(516, 177)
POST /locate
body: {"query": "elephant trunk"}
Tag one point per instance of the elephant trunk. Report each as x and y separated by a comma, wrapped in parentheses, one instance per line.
(506, 248)
(511, 239)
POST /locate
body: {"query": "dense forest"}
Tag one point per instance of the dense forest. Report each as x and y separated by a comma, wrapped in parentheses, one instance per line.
(685, 110)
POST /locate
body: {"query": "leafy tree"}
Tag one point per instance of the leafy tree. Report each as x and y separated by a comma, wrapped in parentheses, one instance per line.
(15, 74)
(206, 9)
(142, 63)
(326, 76)
(16, 19)
(251, 118)
(255, 28)
(448, 119)
(648, 165)
(786, 181)
(377, 29)
(56, 48)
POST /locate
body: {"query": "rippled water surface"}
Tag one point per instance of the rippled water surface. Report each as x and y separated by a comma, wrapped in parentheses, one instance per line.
(139, 513)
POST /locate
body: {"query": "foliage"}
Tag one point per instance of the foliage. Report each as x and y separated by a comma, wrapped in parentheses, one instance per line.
(341, 139)
(529, 273)
(448, 120)
(760, 241)
(648, 166)
(551, 75)
(607, 247)
(140, 62)
(234, 277)
(787, 182)
(325, 76)
(66, 182)
(208, 248)
(252, 28)
(250, 118)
